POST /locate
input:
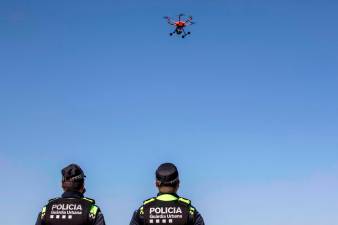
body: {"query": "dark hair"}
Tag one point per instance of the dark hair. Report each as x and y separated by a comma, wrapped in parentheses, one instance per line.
(72, 185)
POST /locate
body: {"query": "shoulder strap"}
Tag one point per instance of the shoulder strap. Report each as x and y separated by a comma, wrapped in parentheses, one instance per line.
(184, 200)
(148, 201)
(92, 201)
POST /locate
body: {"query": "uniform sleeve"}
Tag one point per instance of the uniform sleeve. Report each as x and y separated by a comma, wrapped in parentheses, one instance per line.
(198, 220)
(38, 220)
(135, 220)
(99, 220)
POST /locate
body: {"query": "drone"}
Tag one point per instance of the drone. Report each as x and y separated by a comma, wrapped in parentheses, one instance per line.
(180, 25)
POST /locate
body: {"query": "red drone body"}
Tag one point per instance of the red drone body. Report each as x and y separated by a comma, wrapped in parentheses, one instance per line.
(180, 25)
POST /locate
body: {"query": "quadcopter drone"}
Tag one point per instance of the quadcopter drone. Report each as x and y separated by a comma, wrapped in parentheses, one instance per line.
(180, 25)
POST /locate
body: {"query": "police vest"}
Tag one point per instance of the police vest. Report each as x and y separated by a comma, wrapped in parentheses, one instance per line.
(65, 211)
(167, 209)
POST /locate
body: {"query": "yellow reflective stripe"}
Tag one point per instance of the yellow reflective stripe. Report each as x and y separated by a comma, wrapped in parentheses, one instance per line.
(148, 201)
(93, 210)
(88, 199)
(192, 210)
(141, 210)
(43, 212)
(184, 200)
(166, 197)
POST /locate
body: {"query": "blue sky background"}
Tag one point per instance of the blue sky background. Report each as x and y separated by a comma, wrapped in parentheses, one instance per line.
(246, 106)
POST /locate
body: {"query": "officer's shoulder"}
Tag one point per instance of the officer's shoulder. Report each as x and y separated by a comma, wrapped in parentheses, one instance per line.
(53, 199)
(184, 200)
(187, 202)
(147, 201)
(94, 209)
(90, 200)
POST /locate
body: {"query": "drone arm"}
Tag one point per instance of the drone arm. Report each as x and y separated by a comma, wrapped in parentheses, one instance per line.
(169, 21)
(189, 22)
(188, 19)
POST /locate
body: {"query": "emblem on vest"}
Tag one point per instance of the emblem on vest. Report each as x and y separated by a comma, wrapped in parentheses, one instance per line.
(65, 211)
(164, 214)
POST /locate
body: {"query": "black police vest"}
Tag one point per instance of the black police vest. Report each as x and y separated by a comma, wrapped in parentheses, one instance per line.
(174, 212)
(69, 211)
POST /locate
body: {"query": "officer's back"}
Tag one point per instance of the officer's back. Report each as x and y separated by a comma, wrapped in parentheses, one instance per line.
(167, 208)
(72, 208)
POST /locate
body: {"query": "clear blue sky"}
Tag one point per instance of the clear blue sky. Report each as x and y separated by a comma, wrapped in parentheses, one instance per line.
(247, 106)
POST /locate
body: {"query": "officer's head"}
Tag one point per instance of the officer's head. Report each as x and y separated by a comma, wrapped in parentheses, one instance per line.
(167, 179)
(73, 178)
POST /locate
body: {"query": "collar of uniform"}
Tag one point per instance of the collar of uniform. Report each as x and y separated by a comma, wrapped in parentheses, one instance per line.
(164, 196)
(72, 194)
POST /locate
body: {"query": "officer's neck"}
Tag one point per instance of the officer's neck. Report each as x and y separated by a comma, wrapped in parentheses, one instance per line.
(167, 189)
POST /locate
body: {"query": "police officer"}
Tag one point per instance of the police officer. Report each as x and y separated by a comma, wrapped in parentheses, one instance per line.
(72, 208)
(167, 208)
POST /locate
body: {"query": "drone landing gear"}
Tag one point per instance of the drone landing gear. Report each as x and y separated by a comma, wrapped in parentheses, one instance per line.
(186, 34)
(171, 34)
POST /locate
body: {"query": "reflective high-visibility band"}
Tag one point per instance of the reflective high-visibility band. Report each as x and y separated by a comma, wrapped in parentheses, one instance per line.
(93, 210)
(192, 210)
(187, 201)
(141, 210)
(166, 197)
(43, 212)
(89, 200)
(148, 201)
